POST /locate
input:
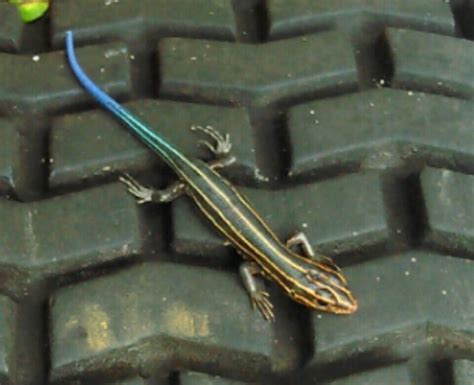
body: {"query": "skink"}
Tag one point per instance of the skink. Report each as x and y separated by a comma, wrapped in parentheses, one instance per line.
(308, 278)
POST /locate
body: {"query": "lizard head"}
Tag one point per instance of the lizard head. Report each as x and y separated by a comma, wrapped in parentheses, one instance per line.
(321, 286)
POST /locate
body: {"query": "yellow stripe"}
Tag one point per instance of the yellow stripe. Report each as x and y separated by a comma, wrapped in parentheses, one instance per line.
(255, 252)
(262, 237)
(229, 224)
(252, 252)
(277, 279)
(265, 261)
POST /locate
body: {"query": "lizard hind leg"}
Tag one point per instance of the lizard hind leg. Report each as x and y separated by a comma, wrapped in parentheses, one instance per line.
(222, 145)
(145, 194)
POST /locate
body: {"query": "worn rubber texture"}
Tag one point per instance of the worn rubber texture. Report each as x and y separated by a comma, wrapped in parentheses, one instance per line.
(351, 120)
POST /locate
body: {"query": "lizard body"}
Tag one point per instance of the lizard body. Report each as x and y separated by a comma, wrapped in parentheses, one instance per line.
(312, 280)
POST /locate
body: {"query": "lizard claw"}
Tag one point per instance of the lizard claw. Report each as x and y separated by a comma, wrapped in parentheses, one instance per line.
(142, 193)
(222, 146)
(260, 300)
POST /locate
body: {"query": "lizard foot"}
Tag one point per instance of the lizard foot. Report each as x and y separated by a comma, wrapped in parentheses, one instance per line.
(261, 302)
(142, 193)
(222, 146)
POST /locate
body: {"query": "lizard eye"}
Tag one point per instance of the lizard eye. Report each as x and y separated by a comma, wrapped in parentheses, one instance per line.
(296, 292)
(321, 304)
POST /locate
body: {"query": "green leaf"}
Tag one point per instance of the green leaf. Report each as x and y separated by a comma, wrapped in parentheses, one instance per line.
(30, 11)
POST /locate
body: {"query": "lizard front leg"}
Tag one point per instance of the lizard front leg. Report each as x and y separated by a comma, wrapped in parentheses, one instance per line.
(300, 239)
(146, 194)
(260, 298)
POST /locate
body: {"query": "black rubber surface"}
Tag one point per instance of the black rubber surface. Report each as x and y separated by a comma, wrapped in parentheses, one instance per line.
(351, 120)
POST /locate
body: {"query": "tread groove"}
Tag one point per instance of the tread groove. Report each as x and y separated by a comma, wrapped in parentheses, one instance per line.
(351, 120)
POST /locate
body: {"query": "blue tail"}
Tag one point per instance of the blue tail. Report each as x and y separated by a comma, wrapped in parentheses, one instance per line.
(141, 130)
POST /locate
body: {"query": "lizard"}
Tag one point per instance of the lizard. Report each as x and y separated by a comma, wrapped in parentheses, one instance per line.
(307, 277)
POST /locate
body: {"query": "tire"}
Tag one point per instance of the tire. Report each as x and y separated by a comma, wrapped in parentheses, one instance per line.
(350, 121)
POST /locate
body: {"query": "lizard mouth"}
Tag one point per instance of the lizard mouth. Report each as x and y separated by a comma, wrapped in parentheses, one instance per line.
(336, 300)
(330, 292)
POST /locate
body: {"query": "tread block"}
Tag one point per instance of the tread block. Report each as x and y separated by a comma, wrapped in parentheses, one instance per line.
(292, 17)
(396, 374)
(152, 314)
(10, 157)
(336, 215)
(405, 301)
(195, 378)
(140, 323)
(45, 84)
(64, 234)
(449, 205)
(11, 28)
(131, 381)
(432, 63)
(222, 72)
(115, 19)
(93, 144)
(463, 372)
(380, 129)
(363, 21)
(7, 335)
